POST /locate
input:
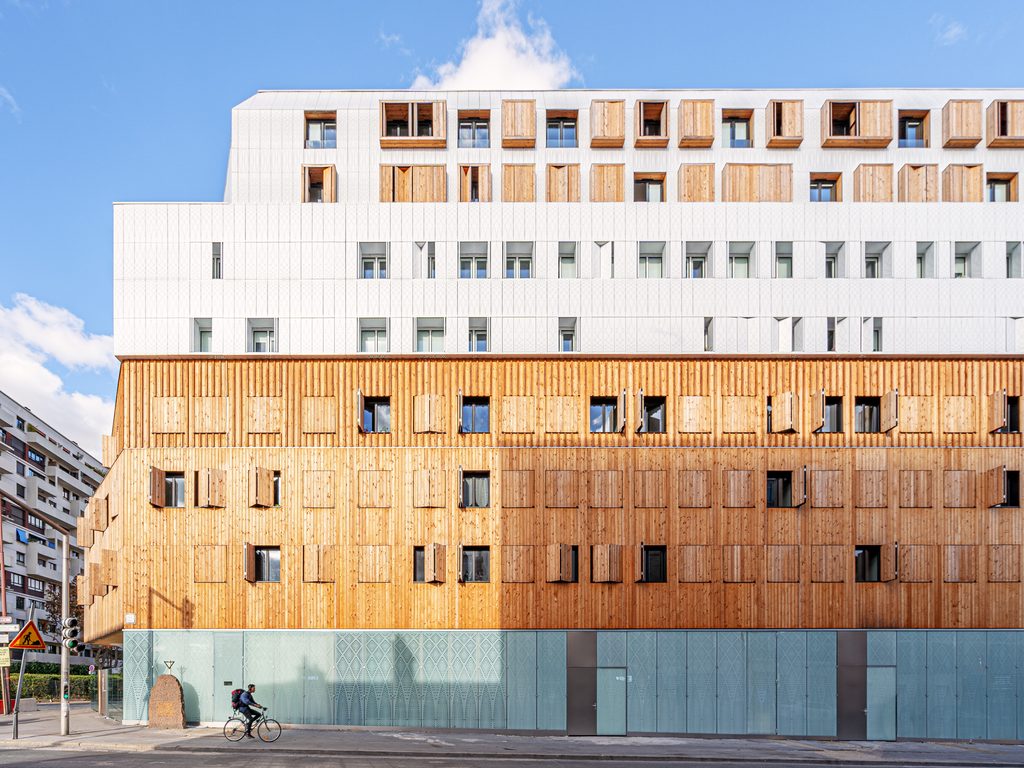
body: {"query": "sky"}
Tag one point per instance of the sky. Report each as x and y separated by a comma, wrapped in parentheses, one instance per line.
(110, 100)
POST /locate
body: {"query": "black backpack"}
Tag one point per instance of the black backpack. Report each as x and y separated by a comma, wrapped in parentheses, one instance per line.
(236, 698)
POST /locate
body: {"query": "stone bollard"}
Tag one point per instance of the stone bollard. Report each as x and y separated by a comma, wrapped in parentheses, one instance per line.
(167, 704)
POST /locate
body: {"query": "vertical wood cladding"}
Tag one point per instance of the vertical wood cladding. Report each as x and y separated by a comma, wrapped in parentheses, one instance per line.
(354, 505)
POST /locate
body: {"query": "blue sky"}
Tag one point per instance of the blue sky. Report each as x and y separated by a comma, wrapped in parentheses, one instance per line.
(130, 100)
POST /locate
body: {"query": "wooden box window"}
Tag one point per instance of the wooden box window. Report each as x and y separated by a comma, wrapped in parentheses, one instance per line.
(648, 187)
(864, 124)
(786, 488)
(562, 563)
(784, 124)
(475, 184)
(262, 564)
(321, 130)
(413, 184)
(474, 564)
(917, 563)
(914, 128)
(210, 564)
(518, 183)
(1001, 187)
(374, 564)
(872, 183)
(1002, 487)
(211, 488)
(915, 488)
(826, 187)
(413, 125)
(474, 489)
(563, 183)
(607, 183)
(738, 488)
(1004, 563)
(919, 183)
(959, 563)
(606, 563)
(651, 124)
(696, 123)
(757, 183)
(517, 564)
(740, 563)
(319, 184)
(474, 128)
(958, 488)
(783, 566)
(874, 563)
(962, 184)
(1003, 413)
(319, 563)
(607, 124)
(518, 123)
(652, 564)
(1005, 124)
(697, 183)
(961, 124)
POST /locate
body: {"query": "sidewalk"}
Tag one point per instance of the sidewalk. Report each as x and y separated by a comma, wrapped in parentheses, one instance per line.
(92, 733)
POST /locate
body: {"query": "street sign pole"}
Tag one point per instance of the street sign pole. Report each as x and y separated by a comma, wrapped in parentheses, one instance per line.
(21, 678)
(65, 652)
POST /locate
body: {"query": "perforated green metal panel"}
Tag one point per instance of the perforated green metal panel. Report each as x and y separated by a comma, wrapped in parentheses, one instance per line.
(881, 715)
(791, 694)
(970, 685)
(521, 673)
(761, 674)
(881, 649)
(642, 682)
(821, 683)
(941, 685)
(611, 649)
(672, 682)
(551, 681)
(1001, 685)
(912, 684)
(701, 682)
(732, 682)
(611, 701)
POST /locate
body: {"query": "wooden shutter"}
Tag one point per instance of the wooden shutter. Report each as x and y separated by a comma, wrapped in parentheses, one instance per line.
(82, 590)
(997, 410)
(434, 560)
(319, 415)
(649, 491)
(694, 564)
(783, 565)
(871, 490)
(697, 183)
(995, 486)
(83, 530)
(263, 416)
(319, 563)
(918, 183)
(108, 567)
(562, 415)
(606, 563)
(784, 124)
(156, 487)
(695, 414)
(828, 563)
(101, 513)
(429, 184)
(739, 563)
(374, 488)
(330, 185)
(785, 413)
(1004, 563)
(872, 183)
(889, 417)
(915, 488)
(958, 488)
(553, 562)
(561, 488)
(403, 184)
(739, 415)
(209, 564)
(960, 563)
(458, 409)
(249, 563)
(606, 488)
(518, 123)
(958, 415)
(360, 404)
(607, 183)
(518, 183)
(428, 488)
(374, 564)
(607, 123)
(460, 561)
(167, 415)
(517, 488)
(428, 413)
(439, 119)
(261, 487)
(695, 488)
(639, 564)
(639, 404)
(917, 563)
(961, 123)
(565, 561)
(209, 415)
(963, 184)
(517, 415)
(916, 414)
(817, 411)
(696, 122)
(563, 183)
(461, 480)
(757, 183)
(738, 487)
(827, 488)
(890, 561)
(387, 184)
(798, 489)
(517, 563)
(620, 413)
(211, 488)
(484, 183)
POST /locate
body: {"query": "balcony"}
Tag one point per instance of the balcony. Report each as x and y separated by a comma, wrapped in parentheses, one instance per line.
(7, 418)
(42, 444)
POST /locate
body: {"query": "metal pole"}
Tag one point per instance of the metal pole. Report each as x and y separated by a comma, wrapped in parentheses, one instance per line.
(65, 653)
(5, 672)
(21, 679)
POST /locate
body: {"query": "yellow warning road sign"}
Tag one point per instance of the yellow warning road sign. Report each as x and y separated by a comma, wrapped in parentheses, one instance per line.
(29, 639)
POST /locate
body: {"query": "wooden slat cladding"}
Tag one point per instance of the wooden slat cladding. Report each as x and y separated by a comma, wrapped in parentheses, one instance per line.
(919, 183)
(518, 123)
(607, 183)
(697, 183)
(607, 123)
(413, 184)
(961, 123)
(757, 183)
(563, 183)
(872, 183)
(963, 184)
(518, 183)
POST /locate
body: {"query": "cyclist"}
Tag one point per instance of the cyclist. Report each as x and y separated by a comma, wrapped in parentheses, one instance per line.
(247, 702)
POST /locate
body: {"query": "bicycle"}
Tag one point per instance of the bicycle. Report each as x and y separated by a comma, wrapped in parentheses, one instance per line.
(267, 730)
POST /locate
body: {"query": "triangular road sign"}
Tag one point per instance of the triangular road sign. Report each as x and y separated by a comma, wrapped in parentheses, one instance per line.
(28, 639)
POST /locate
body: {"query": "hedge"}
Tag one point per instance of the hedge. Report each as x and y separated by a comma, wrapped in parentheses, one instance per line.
(47, 687)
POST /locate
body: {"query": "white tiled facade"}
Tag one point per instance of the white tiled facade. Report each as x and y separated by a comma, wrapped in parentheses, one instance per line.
(297, 264)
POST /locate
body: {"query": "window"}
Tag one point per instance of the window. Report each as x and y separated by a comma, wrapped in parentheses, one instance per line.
(868, 563)
(19, 603)
(567, 260)
(430, 264)
(604, 414)
(567, 334)
(277, 488)
(373, 261)
(474, 132)
(174, 489)
(19, 491)
(925, 263)
(913, 128)
(872, 267)
(35, 522)
(19, 468)
(736, 132)
(262, 335)
(826, 187)
(709, 338)
(876, 334)
(784, 259)
(268, 564)
(867, 414)
(419, 554)
(202, 335)
(474, 183)
(407, 119)
(473, 261)
(475, 565)
(1013, 260)
(652, 259)
(373, 335)
(561, 130)
(834, 261)
(476, 418)
(376, 415)
(830, 334)
(652, 418)
(430, 334)
(652, 123)
(321, 130)
(19, 558)
(698, 259)
(518, 260)
(217, 271)
(35, 585)
(740, 260)
(1001, 187)
(963, 259)
(648, 187)
(478, 336)
(876, 260)
(779, 492)
(15, 580)
(653, 564)
(1011, 480)
(319, 186)
(476, 489)
(1012, 425)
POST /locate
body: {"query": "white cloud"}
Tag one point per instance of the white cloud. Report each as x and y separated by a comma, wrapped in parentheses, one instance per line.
(7, 99)
(35, 333)
(947, 32)
(504, 54)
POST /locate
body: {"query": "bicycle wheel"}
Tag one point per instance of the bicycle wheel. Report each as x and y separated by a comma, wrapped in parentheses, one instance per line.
(268, 730)
(234, 729)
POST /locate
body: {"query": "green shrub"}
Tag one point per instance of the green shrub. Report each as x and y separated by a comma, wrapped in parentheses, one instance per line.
(47, 687)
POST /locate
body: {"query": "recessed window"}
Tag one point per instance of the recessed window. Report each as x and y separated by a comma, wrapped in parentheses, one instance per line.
(479, 338)
(876, 256)
(830, 333)
(429, 252)
(373, 334)
(473, 261)
(963, 259)
(476, 489)
(652, 419)
(925, 263)
(268, 564)
(867, 563)
(217, 264)
(876, 332)
(202, 334)
(419, 562)
(913, 128)
(653, 564)
(698, 259)
(604, 414)
(651, 259)
(518, 260)
(652, 119)
(833, 416)
(648, 187)
(1001, 187)
(741, 259)
(867, 413)
(319, 184)
(430, 334)
(373, 261)
(709, 334)
(826, 187)
(476, 565)
(1011, 486)
(476, 415)
(567, 260)
(474, 130)
(567, 340)
(376, 417)
(174, 489)
(736, 128)
(262, 335)
(835, 265)
(407, 119)
(277, 488)
(1012, 425)
(1013, 260)
(474, 184)
(779, 490)
(561, 128)
(321, 130)
(783, 259)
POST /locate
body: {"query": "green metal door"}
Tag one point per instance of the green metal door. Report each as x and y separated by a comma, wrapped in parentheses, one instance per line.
(611, 701)
(881, 703)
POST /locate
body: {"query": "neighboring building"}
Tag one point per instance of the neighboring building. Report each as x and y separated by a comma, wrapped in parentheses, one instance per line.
(579, 411)
(40, 471)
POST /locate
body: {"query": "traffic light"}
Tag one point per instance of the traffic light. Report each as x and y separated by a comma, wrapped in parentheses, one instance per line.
(69, 632)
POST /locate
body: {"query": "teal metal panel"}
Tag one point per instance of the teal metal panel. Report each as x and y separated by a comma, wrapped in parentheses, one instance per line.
(274, 662)
(912, 684)
(761, 675)
(521, 673)
(138, 673)
(970, 685)
(942, 685)
(489, 672)
(1020, 685)
(821, 683)
(701, 682)
(881, 648)
(642, 682)
(881, 715)
(192, 654)
(611, 701)
(433, 679)
(346, 678)
(407, 703)
(672, 682)
(791, 693)
(551, 681)
(732, 682)
(611, 649)
(1001, 685)
(317, 672)
(463, 702)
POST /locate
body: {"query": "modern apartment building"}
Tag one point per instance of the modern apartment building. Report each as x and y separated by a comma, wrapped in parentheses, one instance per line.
(579, 411)
(41, 470)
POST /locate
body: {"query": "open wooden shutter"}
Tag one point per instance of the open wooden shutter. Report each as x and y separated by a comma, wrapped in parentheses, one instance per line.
(462, 500)
(387, 184)
(997, 410)
(639, 568)
(615, 562)
(799, 486)
(434, 563)
(890, 561)
(553, 562)
(202, 487)
(330, 185)
(156, 487)
(620, 413)
(565, 561)
(249, 574)
(640, 409)
(995, 486)
(211, 488)
(261, 487)
(818, 411)
(459, 565)
(439, 117)
(890, 415)
(784, 412)
(458, 411)
(360, 404)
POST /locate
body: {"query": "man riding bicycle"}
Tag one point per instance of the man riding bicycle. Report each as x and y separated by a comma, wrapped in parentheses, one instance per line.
(246, 703)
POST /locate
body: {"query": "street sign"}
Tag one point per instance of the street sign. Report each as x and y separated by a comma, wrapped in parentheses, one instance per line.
(5, 657)
(29, 639)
